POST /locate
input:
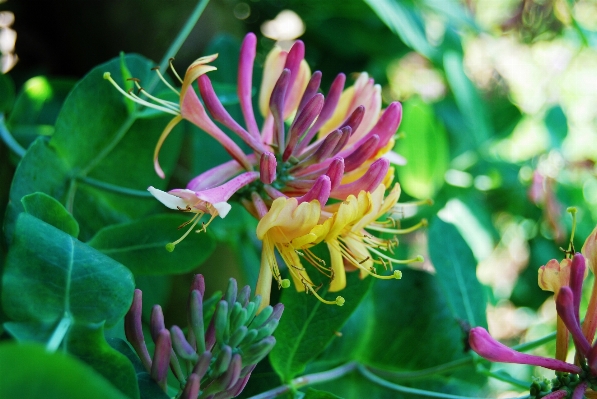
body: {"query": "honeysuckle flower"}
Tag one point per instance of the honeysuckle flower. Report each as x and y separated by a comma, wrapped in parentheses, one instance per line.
(314, 157)
(582, 380)
(212, 201)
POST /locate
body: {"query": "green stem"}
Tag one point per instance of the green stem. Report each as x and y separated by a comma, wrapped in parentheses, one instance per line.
(171, 52)
(9, 140)
(183, 34)
(115, 189)
(527, 346)
(59, 333)
(308, 379)
(411, 375)
(414, 391)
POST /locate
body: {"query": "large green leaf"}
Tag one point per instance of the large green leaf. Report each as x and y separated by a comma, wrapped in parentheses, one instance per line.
(456, 272)
(29, 371)
(61, 291)
(402, 328)
(425, 146)
(140, 245)
(48, 209)
(49, 274)
(95, 135)
(308, 325)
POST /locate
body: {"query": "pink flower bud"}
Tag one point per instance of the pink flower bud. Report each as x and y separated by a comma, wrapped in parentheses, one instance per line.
(565, 308)
(483, 344)
(320, 191)
(134, 330)
(267, 167)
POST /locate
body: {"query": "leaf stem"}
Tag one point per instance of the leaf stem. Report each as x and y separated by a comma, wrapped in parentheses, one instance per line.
(9, 140)
(59, 333)
(114, 188)
(183, 34)
(411, 375)
(414, 391)
(308, 379)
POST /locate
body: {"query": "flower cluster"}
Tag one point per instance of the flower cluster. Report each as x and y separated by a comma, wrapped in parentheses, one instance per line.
(318, 173)
(565, 279)
(215, 363)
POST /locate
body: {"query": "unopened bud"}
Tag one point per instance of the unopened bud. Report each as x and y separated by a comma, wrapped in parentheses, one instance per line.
(230, 295)
(261, 318)
(223, 360)
(134, 330)
(191, 389)
(221, 319)
(161, 358)
(195, 319)
(267, 167)
(244, 295)
(237, 336)
(181, 346)
(202, 364)
(156, 323)
(258, 350)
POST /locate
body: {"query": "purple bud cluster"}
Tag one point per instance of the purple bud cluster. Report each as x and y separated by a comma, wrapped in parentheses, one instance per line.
(213, 362)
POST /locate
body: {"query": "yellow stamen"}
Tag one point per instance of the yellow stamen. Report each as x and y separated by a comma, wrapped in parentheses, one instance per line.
(157, 70)
(170, 246)
(174, 70)
(137, 99)
(339, 300)
(417, 226)
(167, 104)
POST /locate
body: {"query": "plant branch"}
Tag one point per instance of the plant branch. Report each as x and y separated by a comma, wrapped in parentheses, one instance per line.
(114, 188)
(9, 140)
(308, 379)
(414, 391)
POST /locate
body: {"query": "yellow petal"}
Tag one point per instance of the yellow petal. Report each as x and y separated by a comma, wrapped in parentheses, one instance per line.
(339, 281)
(196, 69)
(274, 64)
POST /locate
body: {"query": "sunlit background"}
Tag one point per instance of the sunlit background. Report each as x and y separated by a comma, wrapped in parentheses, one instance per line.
(505, 92)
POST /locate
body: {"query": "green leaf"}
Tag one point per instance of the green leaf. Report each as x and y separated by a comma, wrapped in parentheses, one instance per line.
(404, 22)
(46, 208)
(425, 146)
(557, 126)
(29, 371)
(309, 325)
(317, 394)
(140, 245)
(37, 107)
(470, 104)
(7, 88)
(404, 328)
(87, 342)
(456, 272)
(94, 137)
(49, 274)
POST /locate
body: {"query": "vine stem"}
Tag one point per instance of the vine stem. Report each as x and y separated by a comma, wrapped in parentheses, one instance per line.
(308, 380)
(9, 140)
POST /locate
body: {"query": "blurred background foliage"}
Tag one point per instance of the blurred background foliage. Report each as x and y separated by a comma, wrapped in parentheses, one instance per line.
(499, 126)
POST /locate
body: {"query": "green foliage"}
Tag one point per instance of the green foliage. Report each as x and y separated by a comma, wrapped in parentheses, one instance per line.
(46, 208)
(29, 371)
(140, 245)
(455, 267)
(425, 146)
(308, 325)
(93, 138)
